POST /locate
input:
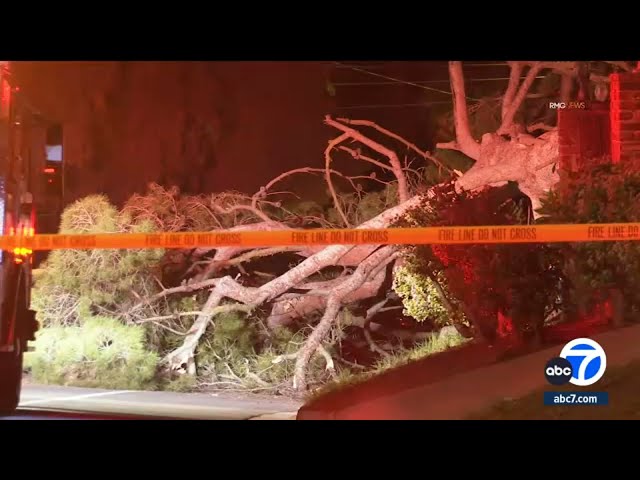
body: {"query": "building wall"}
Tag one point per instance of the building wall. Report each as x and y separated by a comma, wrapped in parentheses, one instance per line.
(625, 117)
(583, 134)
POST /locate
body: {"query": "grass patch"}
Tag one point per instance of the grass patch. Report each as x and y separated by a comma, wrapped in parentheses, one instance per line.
(103, 353)
(446, 339)
(622, 383)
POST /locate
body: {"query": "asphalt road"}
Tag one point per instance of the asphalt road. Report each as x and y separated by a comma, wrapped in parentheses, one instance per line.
(52, 402)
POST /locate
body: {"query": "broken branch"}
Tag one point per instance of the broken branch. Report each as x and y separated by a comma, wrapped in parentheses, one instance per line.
(327, 156)
(334, 303)
(403, 190)
(411, 146)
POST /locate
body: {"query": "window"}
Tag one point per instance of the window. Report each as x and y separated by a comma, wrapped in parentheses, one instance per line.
(54, 153)
(54, 143)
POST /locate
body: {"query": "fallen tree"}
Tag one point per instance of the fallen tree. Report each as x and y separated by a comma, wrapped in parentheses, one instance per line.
(323, 281)
(509, 154)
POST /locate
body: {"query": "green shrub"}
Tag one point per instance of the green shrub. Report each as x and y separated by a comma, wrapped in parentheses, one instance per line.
(74, 284)
(445, 339)
(238, 353)
(522, 281)
(420, 296)
(600, 192)
(101, 353)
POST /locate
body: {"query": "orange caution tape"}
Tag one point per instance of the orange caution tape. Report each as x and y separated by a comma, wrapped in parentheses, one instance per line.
(398, 236)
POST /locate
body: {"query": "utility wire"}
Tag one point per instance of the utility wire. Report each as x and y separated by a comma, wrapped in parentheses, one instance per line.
(471, 80)
(397, 80)
(382, 65)
(398, 105)
(403, 105)
(413, 84)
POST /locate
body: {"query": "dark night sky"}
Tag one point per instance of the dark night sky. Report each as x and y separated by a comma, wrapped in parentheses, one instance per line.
(211, 126)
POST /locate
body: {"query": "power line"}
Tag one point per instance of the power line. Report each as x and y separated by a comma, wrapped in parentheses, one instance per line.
(398, 105)
(346, 66)
(446, 92)
(501, 64)
(400, 81)
(403, 105)
(359, 84)
(433, 62)
(420, 82)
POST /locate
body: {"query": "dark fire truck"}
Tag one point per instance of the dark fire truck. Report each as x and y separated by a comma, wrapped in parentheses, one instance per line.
(25, 174)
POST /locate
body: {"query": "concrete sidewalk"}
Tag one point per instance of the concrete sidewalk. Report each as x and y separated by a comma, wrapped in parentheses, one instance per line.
(462, 394)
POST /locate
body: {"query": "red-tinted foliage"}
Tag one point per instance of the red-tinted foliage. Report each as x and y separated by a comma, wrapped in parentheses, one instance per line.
(502, 289)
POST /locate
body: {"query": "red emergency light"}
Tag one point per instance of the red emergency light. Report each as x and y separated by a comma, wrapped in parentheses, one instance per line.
(5, 97)
(25, 229)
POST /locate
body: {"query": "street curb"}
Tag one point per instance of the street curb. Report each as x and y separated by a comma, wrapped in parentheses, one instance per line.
(276, 416)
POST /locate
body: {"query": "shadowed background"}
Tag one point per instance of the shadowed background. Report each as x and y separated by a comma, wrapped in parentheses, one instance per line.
(211, 126)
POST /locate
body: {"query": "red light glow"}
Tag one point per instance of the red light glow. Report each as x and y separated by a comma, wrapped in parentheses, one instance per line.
(5, 97)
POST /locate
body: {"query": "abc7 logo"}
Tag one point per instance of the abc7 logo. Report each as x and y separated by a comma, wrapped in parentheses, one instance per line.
(582, 362)
(558, 371)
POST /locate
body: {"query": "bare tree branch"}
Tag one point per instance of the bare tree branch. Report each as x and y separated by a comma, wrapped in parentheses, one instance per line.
(249, 208)
(321, 350)
(368, 123)
(509, 115)
(334, 195)
(403, 190)
(189, 287)
(290, 307)
(334, 303)
(371, 312)
(197, 330)
(512, 87)
(226, 287)
(327, 358)
(464, 140)
(623, 65)
(183, 358)
(359, 156)
(162, 318)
